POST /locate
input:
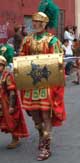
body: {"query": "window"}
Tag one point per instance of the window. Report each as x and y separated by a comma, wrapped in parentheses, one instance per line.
(60, 30)
(28, 23)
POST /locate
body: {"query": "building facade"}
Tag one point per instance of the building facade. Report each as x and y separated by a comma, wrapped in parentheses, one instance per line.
(77, 16)
(20, 11)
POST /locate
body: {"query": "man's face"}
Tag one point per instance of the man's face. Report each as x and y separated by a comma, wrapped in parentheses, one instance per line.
(38, 26)
(66, 43)
(70, 30)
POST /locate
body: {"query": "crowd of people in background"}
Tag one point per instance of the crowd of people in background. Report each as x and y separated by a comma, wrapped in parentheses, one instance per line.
(71, 47)
(69, 38)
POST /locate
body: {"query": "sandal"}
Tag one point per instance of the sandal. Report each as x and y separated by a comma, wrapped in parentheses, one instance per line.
(44, 154)
(13, 144)
(41, 144)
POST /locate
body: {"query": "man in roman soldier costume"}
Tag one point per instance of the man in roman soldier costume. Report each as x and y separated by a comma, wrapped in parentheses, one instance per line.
(11, 116)
(46, 105)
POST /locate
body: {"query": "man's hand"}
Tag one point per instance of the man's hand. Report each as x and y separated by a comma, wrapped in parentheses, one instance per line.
(55, 104)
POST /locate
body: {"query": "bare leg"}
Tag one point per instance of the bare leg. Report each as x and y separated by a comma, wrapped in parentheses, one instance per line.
(45, 151)
(37, 118)
(47, 123)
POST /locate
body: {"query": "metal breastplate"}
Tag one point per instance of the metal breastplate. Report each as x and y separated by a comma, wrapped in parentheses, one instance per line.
(37, 46)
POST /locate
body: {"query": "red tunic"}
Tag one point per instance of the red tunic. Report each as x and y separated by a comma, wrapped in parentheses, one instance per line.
(54, 97)
(11, 123)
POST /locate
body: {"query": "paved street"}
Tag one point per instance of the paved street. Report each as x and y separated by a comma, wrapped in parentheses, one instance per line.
(66, 139)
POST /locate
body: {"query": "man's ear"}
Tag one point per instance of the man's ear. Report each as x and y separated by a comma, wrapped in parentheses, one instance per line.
(44, 24)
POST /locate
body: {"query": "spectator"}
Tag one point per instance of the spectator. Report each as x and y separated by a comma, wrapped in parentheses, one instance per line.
(23, 31)
(17, 38)
(67, 49)
(68, 52)
(68, 33)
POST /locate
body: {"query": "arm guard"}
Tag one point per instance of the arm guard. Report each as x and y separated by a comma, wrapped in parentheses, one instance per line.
(12, 99)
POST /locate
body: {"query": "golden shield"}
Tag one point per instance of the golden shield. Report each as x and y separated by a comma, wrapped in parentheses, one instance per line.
(39, 71)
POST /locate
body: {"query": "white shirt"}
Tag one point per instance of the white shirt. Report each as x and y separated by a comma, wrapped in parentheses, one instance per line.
(68, 50)
(68, 35)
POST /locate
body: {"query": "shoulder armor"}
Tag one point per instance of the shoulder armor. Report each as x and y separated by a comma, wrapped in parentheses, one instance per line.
(27, 38)
(50, 36)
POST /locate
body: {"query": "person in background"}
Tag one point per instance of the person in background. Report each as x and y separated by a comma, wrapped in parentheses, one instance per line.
(17, 39)
(7, 50)
(76, 46)
(68, 52)
(46, 105)
(11, 116)
(77, 66)
(23, 31)
(75, 32)
(69, 35)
